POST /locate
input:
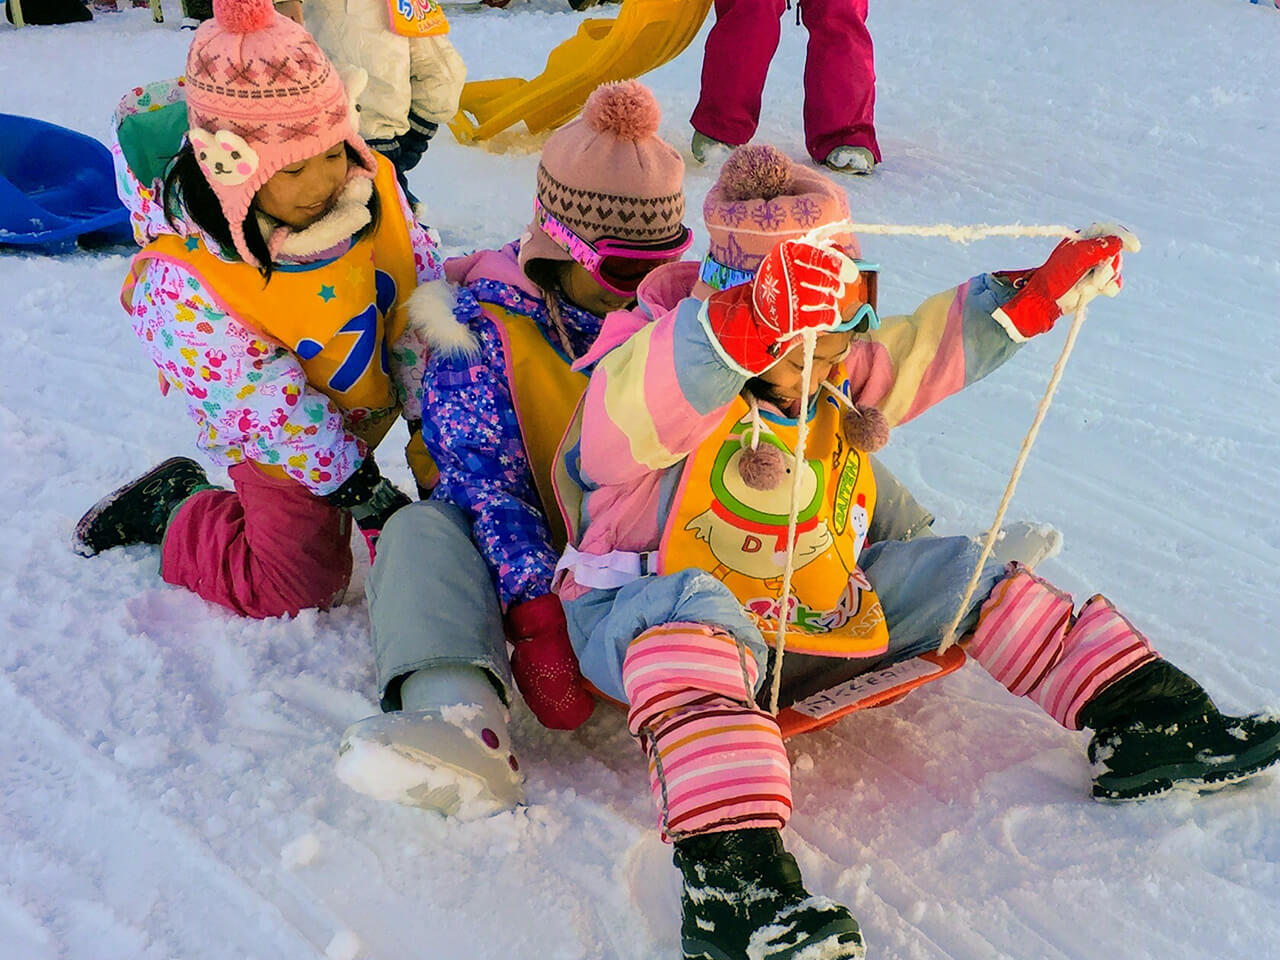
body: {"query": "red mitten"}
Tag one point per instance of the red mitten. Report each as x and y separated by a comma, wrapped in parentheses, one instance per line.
(1076, 271)
(798, 287)
(544, 665)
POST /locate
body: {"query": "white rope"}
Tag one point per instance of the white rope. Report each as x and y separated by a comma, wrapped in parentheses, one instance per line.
(755, 423)
(821, 236)
(810, 336)
(952, 232)
(949, 638)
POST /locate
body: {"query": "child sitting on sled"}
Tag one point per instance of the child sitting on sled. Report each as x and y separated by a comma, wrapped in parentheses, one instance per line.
(427, 614)
(278, 257)
(677, 476)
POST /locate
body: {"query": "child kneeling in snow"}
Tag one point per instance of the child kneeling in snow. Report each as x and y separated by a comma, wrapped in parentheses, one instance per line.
(679, 466)
(271, 292)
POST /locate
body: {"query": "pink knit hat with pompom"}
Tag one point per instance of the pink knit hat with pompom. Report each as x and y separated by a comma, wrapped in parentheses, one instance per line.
(261, 95)
(609, 175)
(761, 198)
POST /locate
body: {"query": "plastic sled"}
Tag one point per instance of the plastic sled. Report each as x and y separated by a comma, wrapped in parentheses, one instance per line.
(645, 35)
(876, 688)
(57, 187)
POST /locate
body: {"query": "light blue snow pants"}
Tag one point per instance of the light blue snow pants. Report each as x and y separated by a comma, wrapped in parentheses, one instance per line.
(432, 601)
(919, 582)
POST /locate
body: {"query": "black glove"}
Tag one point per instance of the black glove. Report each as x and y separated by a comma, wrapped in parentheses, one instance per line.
(370, 497)
(358, 487)
(373, 514)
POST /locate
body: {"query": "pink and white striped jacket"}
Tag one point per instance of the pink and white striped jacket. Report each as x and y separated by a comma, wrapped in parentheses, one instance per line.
(659, 389)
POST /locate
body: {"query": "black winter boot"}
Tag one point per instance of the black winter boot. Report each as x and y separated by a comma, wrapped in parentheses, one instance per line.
(743, 898)
(1156, 729)
(139, 511)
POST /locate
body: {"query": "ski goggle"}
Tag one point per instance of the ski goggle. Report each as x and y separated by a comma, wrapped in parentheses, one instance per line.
(861, 294)
(616, 265)
(718, 276)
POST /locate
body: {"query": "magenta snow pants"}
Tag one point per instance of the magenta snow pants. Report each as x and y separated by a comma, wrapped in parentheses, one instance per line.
(268, 549)
(839, 73)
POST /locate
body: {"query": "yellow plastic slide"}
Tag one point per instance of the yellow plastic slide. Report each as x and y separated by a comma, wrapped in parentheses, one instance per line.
(645, 35)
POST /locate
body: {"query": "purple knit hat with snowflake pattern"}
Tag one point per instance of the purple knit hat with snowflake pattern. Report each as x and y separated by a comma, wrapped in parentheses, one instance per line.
(261, 95)
(761, 198)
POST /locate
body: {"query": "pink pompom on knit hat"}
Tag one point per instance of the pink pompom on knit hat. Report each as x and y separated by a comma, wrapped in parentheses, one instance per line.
(261, 95)
(608, 175)
(761, 198)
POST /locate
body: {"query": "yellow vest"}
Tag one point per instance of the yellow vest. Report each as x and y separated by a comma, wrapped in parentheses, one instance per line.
(338, 317)
(719, 524)
(545, 393)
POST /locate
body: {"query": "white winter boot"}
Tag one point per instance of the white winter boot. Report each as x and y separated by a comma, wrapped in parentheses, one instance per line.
(847, 159)
(447, 750)
(707, 150)
(1028, 543)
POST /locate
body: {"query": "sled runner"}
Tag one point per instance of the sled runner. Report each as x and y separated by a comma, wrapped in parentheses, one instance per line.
(57, 187)
(645, 35)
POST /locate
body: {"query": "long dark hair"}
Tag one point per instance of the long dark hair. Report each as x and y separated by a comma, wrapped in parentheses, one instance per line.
(187, 190)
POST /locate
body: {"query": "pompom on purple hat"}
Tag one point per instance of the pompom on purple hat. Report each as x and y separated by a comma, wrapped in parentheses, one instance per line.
(761, 198)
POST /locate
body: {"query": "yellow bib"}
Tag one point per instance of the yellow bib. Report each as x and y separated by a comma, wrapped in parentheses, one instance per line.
(545, 393)
(417, 18)
(719, 524)
(336, 316)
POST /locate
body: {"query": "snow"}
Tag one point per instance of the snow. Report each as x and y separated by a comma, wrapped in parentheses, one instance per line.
(167, 784)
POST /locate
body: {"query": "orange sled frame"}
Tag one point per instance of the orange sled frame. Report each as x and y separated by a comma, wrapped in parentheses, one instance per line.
(877, 688)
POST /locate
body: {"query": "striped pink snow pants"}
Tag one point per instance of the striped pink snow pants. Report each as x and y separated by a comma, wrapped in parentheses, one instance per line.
(717, 761)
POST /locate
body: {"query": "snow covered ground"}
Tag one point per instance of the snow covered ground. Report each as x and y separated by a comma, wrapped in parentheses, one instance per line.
(166, 784)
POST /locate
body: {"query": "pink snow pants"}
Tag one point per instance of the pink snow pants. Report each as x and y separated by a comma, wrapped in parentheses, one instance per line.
(839, 73)
(268, 549)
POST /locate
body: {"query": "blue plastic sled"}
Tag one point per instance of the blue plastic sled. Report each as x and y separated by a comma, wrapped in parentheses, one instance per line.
(57, 187)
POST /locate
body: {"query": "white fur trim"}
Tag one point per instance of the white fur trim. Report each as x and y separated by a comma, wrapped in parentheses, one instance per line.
(1127, 236)
(431, 312)
(350, 215)
(1002, 318)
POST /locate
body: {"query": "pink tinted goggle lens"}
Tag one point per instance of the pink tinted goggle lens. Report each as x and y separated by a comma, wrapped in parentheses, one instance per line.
(616, 265)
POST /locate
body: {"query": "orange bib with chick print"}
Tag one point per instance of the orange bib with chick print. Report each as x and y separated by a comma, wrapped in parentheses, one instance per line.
(739, 534)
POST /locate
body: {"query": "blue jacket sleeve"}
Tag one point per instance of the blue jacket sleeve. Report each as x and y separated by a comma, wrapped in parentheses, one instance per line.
(470, 428)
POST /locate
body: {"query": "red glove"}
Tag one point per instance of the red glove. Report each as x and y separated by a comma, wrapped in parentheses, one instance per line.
(1076, 271)
(544, 665)
(797, 287)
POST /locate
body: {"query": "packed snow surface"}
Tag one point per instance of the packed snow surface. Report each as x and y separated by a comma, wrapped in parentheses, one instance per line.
(167, 784)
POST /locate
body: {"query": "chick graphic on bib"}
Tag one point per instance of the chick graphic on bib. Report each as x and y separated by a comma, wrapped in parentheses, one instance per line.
(746, 528)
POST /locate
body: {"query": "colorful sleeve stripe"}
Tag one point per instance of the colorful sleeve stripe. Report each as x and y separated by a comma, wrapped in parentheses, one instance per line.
(949, 342)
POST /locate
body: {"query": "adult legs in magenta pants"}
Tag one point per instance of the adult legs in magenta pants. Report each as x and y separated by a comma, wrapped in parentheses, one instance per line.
(839, 75)
(267, 549)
